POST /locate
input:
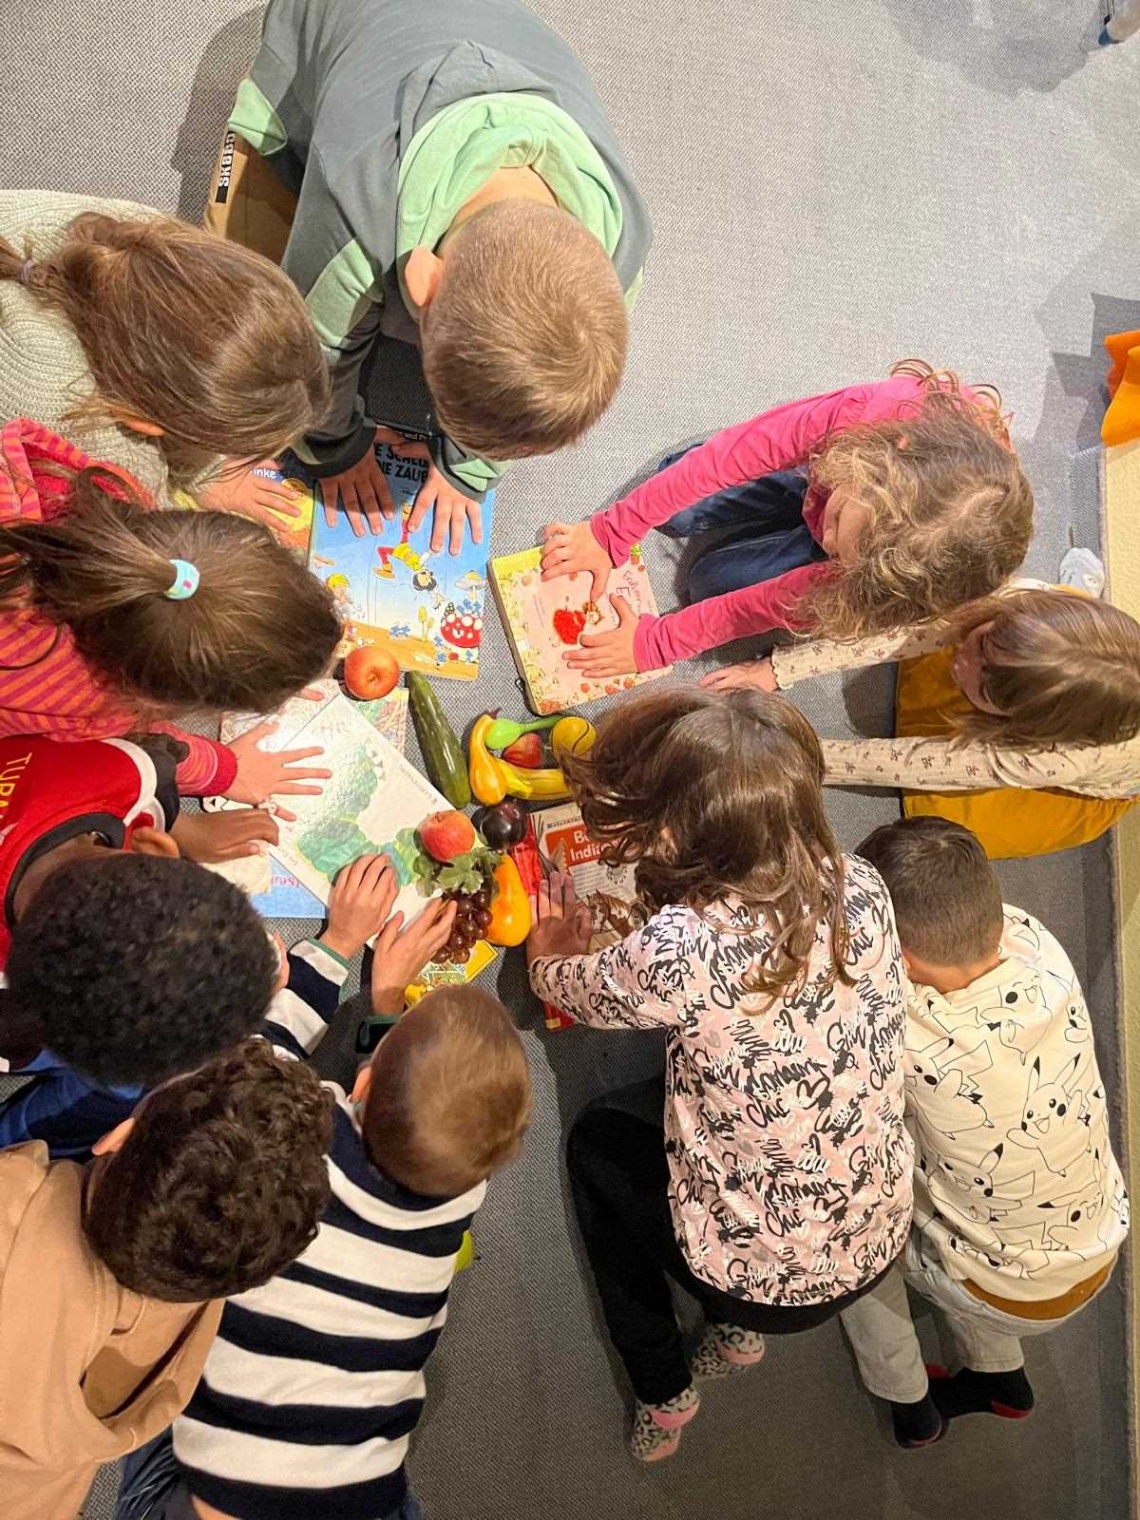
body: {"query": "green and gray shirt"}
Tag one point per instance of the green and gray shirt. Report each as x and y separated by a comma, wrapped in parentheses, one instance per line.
(384, 119)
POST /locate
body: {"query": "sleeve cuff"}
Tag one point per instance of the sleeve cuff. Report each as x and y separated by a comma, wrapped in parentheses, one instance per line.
(331, 457)
(226, 764)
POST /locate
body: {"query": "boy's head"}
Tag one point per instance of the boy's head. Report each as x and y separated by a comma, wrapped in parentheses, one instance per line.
(217, 1182)
(447, 1096)
(524, 331)
(133, 967)
(946, 897)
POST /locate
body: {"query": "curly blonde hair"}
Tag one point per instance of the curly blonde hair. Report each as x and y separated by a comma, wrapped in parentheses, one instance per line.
(951, 510)
(1064, 669)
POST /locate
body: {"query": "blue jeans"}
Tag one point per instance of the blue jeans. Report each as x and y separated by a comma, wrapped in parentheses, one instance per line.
(152, 1487)
(770, 534)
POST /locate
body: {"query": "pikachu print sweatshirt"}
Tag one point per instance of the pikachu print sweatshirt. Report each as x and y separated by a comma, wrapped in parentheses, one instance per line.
(1015, 1179)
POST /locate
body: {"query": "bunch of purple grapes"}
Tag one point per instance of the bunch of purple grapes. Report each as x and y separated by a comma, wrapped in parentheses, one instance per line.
(472, 920)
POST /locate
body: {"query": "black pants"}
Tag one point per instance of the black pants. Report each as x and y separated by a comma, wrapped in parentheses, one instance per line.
(619, 1179)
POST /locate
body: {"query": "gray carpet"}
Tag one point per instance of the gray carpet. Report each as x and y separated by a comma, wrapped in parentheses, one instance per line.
(835, 186)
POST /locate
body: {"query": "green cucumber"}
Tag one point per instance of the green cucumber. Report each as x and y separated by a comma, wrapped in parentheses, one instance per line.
(442, 754)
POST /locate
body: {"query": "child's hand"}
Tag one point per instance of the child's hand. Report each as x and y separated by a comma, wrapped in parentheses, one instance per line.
(360, 901)
(401, 954)
(571, 548)
(452, 508)
(755, 675)
(224, 835)
(562, 923)
(608, 654)
(239, 490)
(363, 488)
(262, 774)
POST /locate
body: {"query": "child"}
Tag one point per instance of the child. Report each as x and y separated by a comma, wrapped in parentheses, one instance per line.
(331, 1353)
(123, 963)
(1017, 718)
(906, 501)
(113, 617)
(445, 174)
(157, 346)
(780, 1187)
(1019, 1207)
(110, 1275)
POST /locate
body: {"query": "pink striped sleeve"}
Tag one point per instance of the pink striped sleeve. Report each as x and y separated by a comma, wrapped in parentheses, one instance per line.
(208, 770)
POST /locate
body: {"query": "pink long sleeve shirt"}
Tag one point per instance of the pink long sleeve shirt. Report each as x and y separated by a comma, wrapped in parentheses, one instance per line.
(776, 440)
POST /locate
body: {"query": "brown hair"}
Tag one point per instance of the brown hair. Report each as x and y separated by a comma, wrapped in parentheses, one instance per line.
(257, 630)
(713, 795)
(945, 893)
(184, 329)
(450, 1098)
(1064, 669)
(524, 342)
(220, 1184)
(951, 510)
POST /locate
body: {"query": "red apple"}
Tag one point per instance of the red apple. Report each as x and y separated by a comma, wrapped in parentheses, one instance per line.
(445, 836)
(526, 752)
(370, 672)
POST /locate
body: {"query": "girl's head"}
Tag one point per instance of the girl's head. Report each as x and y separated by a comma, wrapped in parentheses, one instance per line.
(1048, 667)
(188, 336)
(925, 512)
(256, 630)
(714, 795)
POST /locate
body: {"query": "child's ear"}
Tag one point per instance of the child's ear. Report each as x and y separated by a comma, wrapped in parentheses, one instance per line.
(135, 424)
(148, 841)
(422, 274)
(114, 1139)
(363, 1084)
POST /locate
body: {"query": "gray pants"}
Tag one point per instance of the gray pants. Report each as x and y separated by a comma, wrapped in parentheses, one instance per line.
(883, 1337)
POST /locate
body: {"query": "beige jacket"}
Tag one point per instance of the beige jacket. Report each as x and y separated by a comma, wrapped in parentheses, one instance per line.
(88, 1370)
(936, 765)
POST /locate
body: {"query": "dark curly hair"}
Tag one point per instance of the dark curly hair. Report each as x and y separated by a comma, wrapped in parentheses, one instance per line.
(221, 1183)
(135, 967)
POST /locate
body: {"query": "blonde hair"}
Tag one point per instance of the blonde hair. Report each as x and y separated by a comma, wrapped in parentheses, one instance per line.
(184, 329)
(713, 795)
(1064, 669)
(951, 513)
(450, 1096)
(525, 340)
(258, 628)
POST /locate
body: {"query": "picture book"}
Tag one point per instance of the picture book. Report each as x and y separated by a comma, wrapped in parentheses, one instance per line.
(391, 589)
(544, 619)
(374, 801)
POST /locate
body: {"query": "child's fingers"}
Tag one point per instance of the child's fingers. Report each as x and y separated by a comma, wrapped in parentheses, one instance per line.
(475, 521)
(294, 789)
(583, 923)
(455, 531)
(310, 752)
(425, 500)
(259, 731)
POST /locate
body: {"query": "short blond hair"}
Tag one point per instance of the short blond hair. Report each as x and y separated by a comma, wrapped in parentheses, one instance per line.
(450, 1097)
(525, 340)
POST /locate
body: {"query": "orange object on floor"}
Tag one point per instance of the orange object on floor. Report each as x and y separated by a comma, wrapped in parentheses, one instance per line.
(1122, 420)
(1119, 346)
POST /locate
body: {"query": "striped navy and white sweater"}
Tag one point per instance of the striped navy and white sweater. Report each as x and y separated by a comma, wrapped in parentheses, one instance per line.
(316, 1382)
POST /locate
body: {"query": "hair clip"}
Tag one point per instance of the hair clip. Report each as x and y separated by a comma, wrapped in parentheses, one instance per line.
(185, 581)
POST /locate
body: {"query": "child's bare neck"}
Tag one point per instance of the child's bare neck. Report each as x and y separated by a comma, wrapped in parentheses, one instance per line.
(946, 979)
(521, 184)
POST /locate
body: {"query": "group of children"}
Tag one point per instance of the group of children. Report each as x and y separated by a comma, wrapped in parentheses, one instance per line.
(876, 1075)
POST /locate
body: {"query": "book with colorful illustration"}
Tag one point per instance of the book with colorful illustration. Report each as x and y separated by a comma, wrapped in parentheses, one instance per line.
(545, 619)
(391, 589)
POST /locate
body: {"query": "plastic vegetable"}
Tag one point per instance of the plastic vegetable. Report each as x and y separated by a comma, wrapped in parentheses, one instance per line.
(572, 736)
(510, 906)
(501, 825)
(492, 779)
(442, 754)
(503, 733)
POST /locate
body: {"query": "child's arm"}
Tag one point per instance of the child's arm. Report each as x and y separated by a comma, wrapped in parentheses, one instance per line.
(934, 765)
(209, 767)
(820, 657)
(630, 985)
(776, 440)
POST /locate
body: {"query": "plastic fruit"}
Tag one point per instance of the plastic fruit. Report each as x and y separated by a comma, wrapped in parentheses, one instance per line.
(526, 751)
(502, 825)
(502, 732)
(370, 672)
(445, 836)
(572, 736)
(493, 779)
(510, 907)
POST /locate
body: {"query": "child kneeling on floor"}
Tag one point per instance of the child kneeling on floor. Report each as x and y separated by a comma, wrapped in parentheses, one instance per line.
(111, 1275)
(779, 1189)
(1020, 1208)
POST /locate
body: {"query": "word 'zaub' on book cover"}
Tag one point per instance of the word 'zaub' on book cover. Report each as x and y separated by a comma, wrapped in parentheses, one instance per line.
(545, 619)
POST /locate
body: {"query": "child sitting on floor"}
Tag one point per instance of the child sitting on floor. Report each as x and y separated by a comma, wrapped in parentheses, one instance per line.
(111, 1275)
(332, 1352)
(779, 1189)
(905, 500)
(156, 346)
(113, 617)
(1020, 1208)
(1017, 717)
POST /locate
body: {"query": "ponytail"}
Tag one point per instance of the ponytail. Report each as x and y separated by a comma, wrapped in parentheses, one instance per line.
(257, 628)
